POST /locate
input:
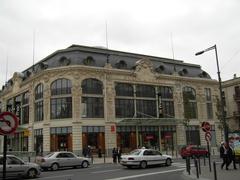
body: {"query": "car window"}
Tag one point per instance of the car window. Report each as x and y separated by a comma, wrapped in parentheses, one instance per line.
(60, 155)
(156, 153)
(49, 155)
(148, 153)
(135, 152)
(13, 160)
(69, 155)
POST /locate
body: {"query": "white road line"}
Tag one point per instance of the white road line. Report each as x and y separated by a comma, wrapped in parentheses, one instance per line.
(146, 174)
(51, 177)
(95, 172)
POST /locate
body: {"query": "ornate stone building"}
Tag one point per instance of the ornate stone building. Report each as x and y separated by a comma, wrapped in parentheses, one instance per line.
(82, 96)
(231, 90)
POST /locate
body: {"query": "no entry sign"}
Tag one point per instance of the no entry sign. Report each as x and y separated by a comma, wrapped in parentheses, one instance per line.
(8, 123)
(206, 126)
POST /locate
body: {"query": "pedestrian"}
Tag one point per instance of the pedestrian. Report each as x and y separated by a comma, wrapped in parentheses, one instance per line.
(99, 152)
(119, 154)
(114, 155)
(231, 156)
(84, 152)
(224, 155)
(89, 151)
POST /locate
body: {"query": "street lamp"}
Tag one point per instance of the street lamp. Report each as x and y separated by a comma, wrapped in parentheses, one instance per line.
(220, 89)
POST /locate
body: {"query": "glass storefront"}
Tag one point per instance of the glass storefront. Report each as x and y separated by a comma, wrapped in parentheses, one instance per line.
(126, 138)
(148, 136)
(93, 136)
(61, 139)
(168, 138)
(38, 141)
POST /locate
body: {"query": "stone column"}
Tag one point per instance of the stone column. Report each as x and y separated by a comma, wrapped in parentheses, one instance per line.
(31, 120)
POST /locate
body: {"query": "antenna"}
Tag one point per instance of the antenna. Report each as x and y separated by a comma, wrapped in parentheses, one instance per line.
(172, 46)
(107, 42)
(6, 69)
(33, 57)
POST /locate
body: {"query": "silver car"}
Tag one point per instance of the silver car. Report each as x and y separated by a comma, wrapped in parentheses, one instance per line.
(56, 160)
(16, 168)
(145, 157)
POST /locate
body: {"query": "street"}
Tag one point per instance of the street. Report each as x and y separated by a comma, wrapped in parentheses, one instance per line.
(117, 172)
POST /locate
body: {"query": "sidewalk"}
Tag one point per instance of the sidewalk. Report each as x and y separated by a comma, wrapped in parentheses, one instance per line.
(222, 174)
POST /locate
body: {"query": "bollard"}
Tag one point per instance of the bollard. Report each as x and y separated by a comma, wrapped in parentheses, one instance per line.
(196, 165)
(104, 158)
(199, 165)
(215, 171)
(92, 159)
(29, 159)
(187, 165)
(204, 160)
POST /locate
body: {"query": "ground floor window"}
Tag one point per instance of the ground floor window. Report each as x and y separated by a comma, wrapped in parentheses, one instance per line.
(94, 136)
(148, 136)
(193, 135)
(126, 138)
(168, 138)
(18, 142)
(38, 141)
(61, 139)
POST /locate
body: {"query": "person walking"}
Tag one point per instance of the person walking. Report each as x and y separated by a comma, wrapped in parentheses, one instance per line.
(231, 156)
(114, 155)
(224, 155)
(119, 154)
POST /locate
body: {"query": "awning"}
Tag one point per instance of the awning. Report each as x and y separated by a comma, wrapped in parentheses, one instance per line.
(149, 121)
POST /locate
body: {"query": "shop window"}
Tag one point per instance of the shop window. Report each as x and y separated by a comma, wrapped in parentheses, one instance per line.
(145, 91)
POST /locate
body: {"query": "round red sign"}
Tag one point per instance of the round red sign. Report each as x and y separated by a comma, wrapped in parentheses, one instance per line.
(8, 123)
(206, 126)
(208, 136)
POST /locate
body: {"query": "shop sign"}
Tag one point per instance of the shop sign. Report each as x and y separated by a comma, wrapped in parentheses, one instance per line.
(149, 137)
(112, 128)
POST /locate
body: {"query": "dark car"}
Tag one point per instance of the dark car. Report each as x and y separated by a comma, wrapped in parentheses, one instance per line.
(193, 151)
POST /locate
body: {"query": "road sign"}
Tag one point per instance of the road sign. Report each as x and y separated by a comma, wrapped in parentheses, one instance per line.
(208, 136)
(206, 126)
(8, 123)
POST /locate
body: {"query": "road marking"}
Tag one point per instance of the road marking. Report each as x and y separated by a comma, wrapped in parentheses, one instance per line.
(105, 171)
(62, 176)
(146, 174)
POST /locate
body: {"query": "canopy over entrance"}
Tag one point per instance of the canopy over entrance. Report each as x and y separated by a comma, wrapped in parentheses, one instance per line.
(149, 121)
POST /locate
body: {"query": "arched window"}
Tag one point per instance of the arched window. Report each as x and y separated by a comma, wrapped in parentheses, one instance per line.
(39, 102)
(190, 103)
(121, 64)
(61, 87)
(92, 86)
(92, 99)
(124, 89)
(61, 100)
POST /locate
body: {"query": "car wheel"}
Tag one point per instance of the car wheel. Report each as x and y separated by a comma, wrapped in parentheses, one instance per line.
(32, 173)
(84, 164)
(143, 164)
(168, 162)
(54, 166)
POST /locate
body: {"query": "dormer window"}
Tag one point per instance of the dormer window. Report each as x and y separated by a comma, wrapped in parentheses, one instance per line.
(89, 61)
(121, 64)
(63, 61)
(43, 65)
(160, 69)
(203, 74)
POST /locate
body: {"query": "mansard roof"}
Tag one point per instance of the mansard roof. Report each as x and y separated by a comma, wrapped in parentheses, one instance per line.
(99, 56)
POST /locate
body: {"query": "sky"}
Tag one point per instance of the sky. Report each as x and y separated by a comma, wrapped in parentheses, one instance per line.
(164, 28)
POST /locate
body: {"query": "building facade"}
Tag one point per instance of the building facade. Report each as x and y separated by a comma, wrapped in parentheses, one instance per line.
(83, 96)
(231, 90)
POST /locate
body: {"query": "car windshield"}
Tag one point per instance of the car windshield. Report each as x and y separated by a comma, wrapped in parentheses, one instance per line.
(135, 152)
(49, 155)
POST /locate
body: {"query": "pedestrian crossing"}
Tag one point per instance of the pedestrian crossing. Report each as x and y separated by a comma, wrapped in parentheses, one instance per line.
(180, 164)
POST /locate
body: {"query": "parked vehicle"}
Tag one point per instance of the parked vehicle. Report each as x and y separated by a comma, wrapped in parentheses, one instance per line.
(145, 157)
(193, 151)
(16, 168)
(56, 160)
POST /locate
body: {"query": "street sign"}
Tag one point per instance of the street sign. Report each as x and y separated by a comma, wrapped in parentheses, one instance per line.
(206, 126)
(208, 136)
(8, 123)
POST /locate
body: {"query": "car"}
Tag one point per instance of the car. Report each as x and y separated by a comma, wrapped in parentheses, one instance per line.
(193, 151)
(16, 168)
(145, 157)
(61, 159)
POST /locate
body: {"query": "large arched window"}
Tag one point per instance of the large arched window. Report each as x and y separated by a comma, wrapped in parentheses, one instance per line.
(39, 102)
(190, 103)
(92, 86)
(124, 102)
(92, 99)
(61, 99)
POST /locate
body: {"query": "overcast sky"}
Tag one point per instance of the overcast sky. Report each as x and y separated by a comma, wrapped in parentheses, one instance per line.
(164, 28)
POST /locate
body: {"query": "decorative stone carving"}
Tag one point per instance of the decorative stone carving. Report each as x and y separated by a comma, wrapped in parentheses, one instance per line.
(144, 70)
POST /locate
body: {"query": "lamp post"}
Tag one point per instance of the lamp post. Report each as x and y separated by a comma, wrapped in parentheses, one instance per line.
(220, 89)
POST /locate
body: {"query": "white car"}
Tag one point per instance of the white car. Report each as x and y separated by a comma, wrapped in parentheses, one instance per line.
(17, 168)
(56, 160)
(145, 157)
